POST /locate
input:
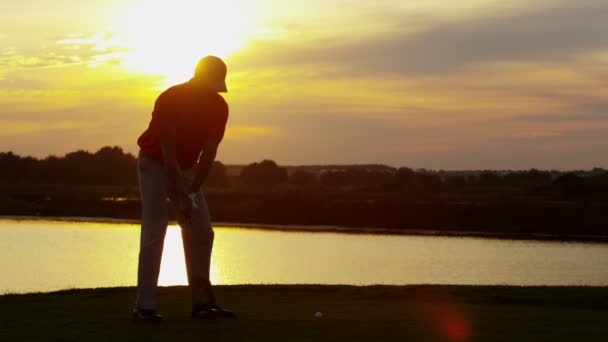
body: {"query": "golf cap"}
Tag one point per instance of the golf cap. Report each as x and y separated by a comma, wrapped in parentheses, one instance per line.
(212, 71)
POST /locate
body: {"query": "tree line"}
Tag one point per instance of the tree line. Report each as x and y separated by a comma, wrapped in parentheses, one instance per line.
(113, 166)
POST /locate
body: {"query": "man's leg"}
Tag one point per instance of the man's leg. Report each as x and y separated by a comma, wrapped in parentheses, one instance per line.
(197, 236)
(152, 185)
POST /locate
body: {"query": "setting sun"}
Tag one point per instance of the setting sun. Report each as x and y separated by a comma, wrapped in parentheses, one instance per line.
(167, 38)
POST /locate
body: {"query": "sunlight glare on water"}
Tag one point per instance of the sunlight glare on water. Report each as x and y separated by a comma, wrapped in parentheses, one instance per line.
(38, 255)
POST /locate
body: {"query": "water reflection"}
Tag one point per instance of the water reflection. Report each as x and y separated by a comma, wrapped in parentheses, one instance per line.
(173, 268)
(44, 255)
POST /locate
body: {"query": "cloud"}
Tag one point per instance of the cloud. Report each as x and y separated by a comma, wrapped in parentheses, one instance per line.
(558, 32)
(95, 50)
(11, 60)
(20, 127)
(475, 94)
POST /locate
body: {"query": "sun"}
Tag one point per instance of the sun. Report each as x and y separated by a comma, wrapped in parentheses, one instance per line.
(167, 38)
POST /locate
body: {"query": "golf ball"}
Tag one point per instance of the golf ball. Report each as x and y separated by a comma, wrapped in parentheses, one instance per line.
(318, 315)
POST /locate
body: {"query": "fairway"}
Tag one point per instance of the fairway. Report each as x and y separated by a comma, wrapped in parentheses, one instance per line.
(286, 313)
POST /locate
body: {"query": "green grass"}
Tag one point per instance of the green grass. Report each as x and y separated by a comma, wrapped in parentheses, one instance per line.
(286, 313)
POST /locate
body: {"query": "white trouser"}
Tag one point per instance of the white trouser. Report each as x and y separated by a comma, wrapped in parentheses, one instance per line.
(197, 236)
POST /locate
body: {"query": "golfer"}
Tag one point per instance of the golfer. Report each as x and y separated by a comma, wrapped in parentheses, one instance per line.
(176, 153)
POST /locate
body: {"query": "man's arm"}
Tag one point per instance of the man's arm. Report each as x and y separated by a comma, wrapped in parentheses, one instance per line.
(203, 167)
(175, 184)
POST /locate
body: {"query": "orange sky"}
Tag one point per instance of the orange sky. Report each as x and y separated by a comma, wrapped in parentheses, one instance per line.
(425, 83)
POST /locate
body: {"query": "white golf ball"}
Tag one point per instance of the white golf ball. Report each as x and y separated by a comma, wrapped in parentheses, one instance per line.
(318, 315)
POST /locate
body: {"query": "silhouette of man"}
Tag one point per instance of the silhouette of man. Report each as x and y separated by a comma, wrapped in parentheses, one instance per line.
(176, 153)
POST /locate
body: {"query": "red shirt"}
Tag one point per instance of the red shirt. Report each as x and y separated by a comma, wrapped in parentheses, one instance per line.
(188, 117)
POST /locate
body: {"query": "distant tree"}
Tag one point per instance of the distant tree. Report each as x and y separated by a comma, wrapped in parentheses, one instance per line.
(218, 176)
(113, 154)
(51, 170)
(599, 177)
(405, 177)
(14, 168)
(537, 177)
(356, 177)
(528, 178)
(576, 187)
(8, 157)
(300, 177)
(375, 178)
(265, 173)
(489, 178)
(114, 167)
(333, 178)
(455, 180)
(108, 166)
(78, 168)
(419, 182)
(569, 179)
(429, 182)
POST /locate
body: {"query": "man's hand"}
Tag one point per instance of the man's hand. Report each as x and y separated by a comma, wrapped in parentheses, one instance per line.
(203, 167)
(181, 199)
(193, 199)
(175, 186)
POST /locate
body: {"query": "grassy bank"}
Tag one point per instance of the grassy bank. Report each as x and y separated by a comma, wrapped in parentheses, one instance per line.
(286, 313)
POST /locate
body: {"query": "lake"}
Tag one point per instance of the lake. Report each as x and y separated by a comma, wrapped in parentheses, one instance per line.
(42, 255)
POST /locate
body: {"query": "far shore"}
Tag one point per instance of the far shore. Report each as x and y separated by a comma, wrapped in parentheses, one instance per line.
(342, 230)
